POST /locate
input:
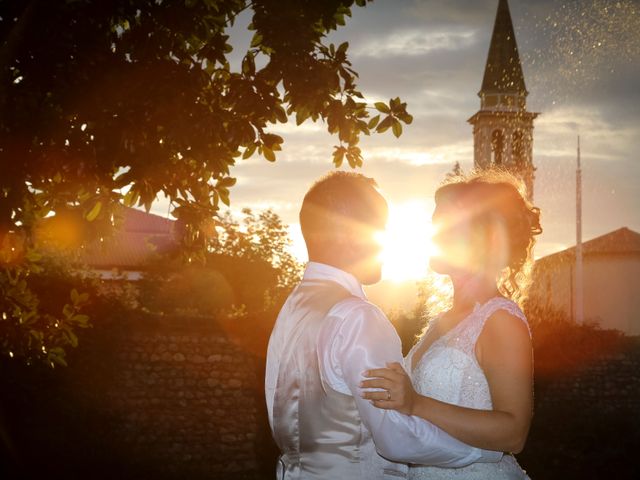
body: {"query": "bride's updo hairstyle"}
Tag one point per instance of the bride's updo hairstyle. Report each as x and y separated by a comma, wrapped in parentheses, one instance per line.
(496, 204)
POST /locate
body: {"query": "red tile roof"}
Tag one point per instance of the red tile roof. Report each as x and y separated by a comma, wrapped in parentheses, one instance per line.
(142, 234)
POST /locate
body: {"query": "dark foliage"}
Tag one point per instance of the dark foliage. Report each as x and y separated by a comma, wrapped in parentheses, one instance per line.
(562, 347)
(247, 270)
(574, 441)
(111, 102)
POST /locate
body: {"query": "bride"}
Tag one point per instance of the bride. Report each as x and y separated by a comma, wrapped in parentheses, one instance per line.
(472, 369)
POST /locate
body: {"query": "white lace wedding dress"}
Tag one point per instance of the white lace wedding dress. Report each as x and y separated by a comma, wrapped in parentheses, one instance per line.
(448, 371)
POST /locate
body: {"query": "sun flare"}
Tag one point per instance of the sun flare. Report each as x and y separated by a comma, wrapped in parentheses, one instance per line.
(407, 244)
(407, 241)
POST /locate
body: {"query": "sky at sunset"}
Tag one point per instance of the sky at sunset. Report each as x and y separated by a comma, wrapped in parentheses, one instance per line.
(581, 62)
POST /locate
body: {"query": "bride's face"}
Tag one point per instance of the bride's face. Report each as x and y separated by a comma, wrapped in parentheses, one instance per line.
(457, 241)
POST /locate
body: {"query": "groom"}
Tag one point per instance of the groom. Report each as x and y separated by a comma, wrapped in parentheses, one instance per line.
(326, 335)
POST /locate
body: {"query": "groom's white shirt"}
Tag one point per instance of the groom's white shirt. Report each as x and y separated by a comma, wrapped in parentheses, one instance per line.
(356, 336)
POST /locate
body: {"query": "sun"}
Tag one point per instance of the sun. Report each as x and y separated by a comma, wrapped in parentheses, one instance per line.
(407, 244)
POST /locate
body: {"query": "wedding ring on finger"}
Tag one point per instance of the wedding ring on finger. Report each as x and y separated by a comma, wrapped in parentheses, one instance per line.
(388, 395)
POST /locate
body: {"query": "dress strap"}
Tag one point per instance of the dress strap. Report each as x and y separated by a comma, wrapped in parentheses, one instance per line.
(499, 303)
(468, 336)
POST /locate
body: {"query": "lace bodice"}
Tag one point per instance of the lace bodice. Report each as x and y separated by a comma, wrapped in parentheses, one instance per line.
(449, 371)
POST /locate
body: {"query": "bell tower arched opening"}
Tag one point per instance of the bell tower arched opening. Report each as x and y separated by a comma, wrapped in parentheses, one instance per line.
(497, 147)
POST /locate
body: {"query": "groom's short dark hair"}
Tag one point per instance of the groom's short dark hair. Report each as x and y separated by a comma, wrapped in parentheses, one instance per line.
(339, 201)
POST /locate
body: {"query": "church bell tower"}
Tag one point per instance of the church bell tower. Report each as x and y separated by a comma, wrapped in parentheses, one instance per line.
(503, 128)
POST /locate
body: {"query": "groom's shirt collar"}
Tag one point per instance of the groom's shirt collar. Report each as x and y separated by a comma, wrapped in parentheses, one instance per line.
(322, 271)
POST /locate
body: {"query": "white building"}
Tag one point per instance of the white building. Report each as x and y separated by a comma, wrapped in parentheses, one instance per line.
(611, 281)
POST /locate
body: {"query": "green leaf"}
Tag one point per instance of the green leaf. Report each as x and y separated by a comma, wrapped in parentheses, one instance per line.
(338, 156)
(382, 107)
(75, 296)
(57, 354)
(68, 311)
(281, 114)
(84, 196)
(125, 178)
(224, 196)
(397, 128)
(226, 182)
(95, 211)
(272, 141)
(71, 337)
(373, 122)
(385, 124)
(301, 116)
(343, 48)
(256, 40)
(33, 256)
(131, 198)
(248, 65)
(268, 154)
(37, 335)
(249, 151)
(80, 319)
(406, 118)
(354, 156)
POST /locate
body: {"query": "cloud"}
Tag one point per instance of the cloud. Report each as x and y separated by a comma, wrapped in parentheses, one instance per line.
(557, 131)
(438, 12)
(415, 43)
(432, 54)
(291, 129)
(412, 157)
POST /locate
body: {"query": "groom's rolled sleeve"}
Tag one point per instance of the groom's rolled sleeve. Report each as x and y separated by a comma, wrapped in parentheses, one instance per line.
(358, 337)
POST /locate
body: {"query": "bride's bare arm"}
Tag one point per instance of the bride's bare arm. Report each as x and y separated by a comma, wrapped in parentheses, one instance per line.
(504, 352)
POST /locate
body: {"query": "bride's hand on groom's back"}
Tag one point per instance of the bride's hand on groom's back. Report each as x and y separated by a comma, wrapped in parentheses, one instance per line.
(397, 391)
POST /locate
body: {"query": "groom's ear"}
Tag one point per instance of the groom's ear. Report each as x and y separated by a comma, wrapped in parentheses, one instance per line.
(343, 243)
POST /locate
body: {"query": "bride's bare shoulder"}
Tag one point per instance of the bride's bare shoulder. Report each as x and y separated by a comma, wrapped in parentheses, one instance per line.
(503, 335)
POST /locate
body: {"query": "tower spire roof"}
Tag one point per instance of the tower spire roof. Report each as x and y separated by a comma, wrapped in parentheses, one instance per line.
(503, 72)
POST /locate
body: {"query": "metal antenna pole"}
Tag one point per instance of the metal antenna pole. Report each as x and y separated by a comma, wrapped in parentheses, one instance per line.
(579, 307)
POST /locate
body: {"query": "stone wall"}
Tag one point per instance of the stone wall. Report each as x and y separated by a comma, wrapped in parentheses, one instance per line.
(586, 423)
(173, 398)
(148, 397)
(609, 383)
(189, 396)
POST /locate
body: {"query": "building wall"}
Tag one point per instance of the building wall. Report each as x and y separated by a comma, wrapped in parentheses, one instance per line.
(611, 289)
(552, 285)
